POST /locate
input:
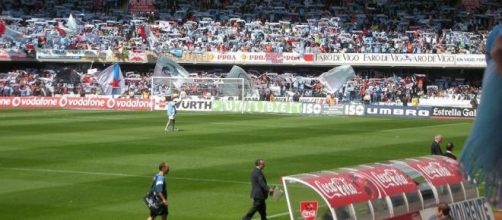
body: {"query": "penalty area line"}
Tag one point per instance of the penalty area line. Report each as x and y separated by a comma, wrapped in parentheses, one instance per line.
(119, 175)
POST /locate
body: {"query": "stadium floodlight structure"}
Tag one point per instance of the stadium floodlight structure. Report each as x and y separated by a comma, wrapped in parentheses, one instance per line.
(197, 88)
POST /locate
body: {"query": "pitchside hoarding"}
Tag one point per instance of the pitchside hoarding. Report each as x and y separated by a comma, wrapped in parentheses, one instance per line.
(354, 110)
(453, 112)
(312, 108)
(236, 106)
(333, 109)
(322, 109)
(257, 106)
(76, 103)
(200, 105)
(402, 111)
(159, 103)
(465, 210)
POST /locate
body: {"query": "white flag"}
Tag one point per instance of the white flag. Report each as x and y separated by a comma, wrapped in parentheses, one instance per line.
(335, 78)
(72, 25)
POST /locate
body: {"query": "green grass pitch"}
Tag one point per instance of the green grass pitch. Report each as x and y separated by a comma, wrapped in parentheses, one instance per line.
(64, 164)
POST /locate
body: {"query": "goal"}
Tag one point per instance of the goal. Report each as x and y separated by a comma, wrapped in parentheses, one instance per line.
(215, 88)
(194, 88)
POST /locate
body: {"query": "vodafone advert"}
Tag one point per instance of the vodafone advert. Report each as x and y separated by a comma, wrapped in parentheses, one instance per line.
(76, 103)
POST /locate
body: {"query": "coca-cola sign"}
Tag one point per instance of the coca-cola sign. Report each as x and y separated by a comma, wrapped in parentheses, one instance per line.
(308, 209)
(336, 187)
(344, 188)
(434, 170)
(390, 180)
(438, 170)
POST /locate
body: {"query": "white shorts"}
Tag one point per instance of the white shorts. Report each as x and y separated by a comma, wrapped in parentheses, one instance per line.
(171, 117)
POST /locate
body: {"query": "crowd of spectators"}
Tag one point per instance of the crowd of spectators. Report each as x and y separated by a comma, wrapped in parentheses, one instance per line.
(31, 82)
(35, 82)
(310, 26)
(266, 85)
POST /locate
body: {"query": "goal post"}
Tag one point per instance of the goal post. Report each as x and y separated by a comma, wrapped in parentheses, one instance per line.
(195, 88)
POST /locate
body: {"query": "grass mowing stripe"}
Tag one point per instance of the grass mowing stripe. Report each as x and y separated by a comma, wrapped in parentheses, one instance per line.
(119, 175)
(212, 146)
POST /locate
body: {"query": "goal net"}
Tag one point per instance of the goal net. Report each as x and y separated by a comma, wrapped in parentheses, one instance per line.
(194, 88)
(215, 88)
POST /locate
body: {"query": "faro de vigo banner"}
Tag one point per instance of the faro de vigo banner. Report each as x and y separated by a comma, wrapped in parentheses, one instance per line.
(76, 103)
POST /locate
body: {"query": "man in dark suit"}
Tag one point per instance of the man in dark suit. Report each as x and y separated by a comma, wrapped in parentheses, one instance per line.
(449, 151)
(435, 148)
(259, 192)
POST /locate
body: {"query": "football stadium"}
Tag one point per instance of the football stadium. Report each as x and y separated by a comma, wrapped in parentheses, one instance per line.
(250, 109)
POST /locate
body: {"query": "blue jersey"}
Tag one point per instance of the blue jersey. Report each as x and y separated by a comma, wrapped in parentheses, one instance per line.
(159, 185)
(171, 108)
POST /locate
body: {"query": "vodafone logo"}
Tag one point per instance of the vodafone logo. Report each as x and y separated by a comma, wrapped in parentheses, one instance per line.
(63, 102)
(110, 103)
(16, 101)
(85, 103)
(76, 103)
(132, 104)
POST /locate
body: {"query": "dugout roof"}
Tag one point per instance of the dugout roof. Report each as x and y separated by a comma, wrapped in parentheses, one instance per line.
(432, 179)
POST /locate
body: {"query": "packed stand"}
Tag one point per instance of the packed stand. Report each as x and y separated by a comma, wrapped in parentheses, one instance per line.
(48, 82)
(30, 82)
(311, 26)
(405, 89)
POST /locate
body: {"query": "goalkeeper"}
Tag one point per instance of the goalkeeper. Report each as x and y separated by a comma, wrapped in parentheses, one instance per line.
(171, 113)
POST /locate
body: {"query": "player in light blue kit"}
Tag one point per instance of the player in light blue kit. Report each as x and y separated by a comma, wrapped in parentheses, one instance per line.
(171, 113)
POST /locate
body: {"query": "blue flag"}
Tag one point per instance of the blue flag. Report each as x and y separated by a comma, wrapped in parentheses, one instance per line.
(482, 154)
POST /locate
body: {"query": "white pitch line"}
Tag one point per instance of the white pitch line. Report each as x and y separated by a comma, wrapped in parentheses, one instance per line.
(428, 126)
(275, 216)
(278, 215)
(119, 174)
